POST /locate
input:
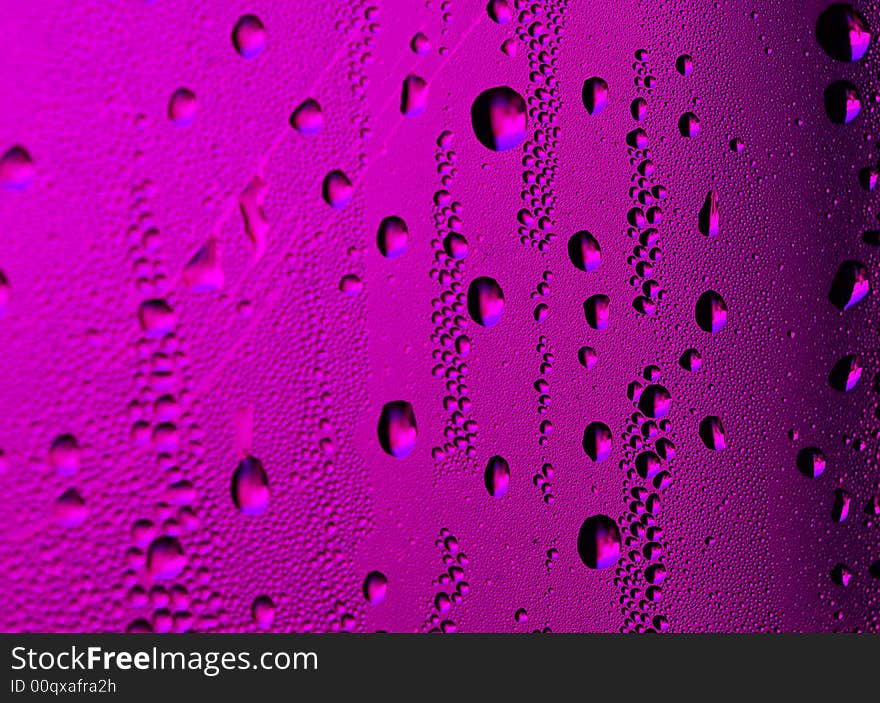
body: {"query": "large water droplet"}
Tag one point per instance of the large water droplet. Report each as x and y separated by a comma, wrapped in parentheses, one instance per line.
(393, 237)
(70, 509)
(156, 317)
(811, 462)
(249, 36)
(711, 312)
(250, 487)
(397, 428)
(5, 294)
(597, 309)
(498, 116)
(584, 251)
(598, 542)
(842, 102)
(709, 217)
(497, 476)
(845, 374)
(337, 190)
(595, 95)
(182, 107)
(64, 455)
(413, 96)
(712, 433)
(648, 464)
(850, 285)
(655, 401)
(308, 118)
(840, 507)
(689, 125)
(165, 557)
(16, 169)
(500, 11)
(597, 441)
(375, 587)
(485, 301)
(843, 32)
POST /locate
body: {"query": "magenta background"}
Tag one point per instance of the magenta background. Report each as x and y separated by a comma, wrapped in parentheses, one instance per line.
(85, 91)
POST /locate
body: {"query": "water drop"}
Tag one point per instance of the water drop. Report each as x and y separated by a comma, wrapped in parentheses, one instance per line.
(840, 507)
(204, 272)
(842, 102)
(397, 428)
(249, 36)
(498, 116)
(64, 455)
(182, 107)
(263, 612)
(308, 118)
(455, 245)
(689, 125)
(256, 224)
(165, 557)
(598, 542)
(684, 64)
(843, 32)
(811, 462)
(691, 360)
(337, 190)
(712, 433)
(157, 318)
(588, 357)
(709, 217)
(595, 95)
(485, 301)
(393, 237)
(845, 374)
(16, 169)
(711, 312)
(499, 11)
(497, 476)
(413, 96)
(375, 587)
(597, 441)
(70, 509)
(584, 251)
(850, 285)
(655, 401)
(420, 44)
(250, 487)
(597, 309)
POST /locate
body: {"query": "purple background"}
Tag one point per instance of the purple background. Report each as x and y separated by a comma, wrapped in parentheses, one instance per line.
(122, 198)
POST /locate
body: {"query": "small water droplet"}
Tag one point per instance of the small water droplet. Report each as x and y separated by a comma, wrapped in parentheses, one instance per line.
(157, 318)
(842, 102)
(165, 557)
(263, 612)
(811, 462)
